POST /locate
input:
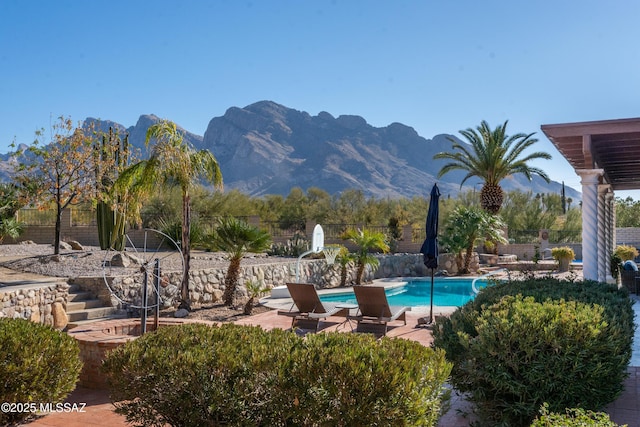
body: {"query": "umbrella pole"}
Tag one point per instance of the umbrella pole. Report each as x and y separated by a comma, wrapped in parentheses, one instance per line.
(431, 309)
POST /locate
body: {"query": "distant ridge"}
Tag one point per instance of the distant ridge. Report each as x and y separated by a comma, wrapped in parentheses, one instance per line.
(267, 148)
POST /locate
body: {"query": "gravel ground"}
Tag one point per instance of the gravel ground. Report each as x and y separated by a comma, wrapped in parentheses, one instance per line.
(39, 259)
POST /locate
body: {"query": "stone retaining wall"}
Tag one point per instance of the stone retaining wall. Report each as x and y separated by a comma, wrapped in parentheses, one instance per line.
(33, 302)
(207, 286)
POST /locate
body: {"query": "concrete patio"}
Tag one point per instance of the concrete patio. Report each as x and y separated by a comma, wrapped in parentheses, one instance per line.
(99, 410)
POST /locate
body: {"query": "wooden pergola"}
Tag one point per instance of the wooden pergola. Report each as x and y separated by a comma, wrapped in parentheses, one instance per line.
(606, 156)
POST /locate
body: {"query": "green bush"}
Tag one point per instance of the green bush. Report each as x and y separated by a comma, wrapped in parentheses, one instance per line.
(353, 380)
(38, 365)
(568, 344)
(573, 418)
(195, 375)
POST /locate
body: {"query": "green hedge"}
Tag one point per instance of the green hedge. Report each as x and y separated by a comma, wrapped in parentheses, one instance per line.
(568, 344)
(37, 365)
(195, 375)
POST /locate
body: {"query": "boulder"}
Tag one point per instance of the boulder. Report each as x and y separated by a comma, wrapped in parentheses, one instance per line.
(75, 245)
(60, 318)
(120, 260)
(183, 312)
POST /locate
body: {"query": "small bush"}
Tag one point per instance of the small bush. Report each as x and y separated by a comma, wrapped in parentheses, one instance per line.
(195, 375)
(626, 252)
(38, 365)
(564, 343)
(562, 252)
(573, 418)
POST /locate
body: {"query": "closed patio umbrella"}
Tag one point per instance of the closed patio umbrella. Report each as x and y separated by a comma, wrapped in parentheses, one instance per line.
(430, 246)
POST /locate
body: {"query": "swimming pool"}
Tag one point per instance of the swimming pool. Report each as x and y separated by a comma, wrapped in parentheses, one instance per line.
(452, 292)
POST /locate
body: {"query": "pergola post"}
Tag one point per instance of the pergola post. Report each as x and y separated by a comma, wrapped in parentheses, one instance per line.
(590, 179)
(610, 230)
(603, 238)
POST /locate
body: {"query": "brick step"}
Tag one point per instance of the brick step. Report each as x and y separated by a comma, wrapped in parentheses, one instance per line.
(90, 313)
(78, 305)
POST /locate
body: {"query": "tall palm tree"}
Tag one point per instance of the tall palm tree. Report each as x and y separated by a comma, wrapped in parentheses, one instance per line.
(174, 162)
(366, 241)
(493, 156)
(236, 238)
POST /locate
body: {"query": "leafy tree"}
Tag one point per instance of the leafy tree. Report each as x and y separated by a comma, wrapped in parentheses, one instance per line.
(236, 238)
(493, 156)
(465, 228)
(59, 173)
(627, 212)
(173, 162)
(293, 214)
(366, 241)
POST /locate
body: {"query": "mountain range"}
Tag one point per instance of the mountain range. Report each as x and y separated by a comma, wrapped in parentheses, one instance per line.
(267, 148)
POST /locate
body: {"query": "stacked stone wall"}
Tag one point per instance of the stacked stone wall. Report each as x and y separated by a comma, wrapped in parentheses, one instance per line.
(33, 302)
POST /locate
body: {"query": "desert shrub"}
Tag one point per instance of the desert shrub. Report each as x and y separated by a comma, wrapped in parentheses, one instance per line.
(564, 343)
(38, 364)
(173, 228)
(573, 418)
(195, 375)
(350, 379)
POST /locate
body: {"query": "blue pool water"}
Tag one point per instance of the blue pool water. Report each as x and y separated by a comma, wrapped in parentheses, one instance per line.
(446, 292)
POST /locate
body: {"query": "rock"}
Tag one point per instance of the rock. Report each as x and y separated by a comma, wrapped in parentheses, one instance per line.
(60, 318)
(65, 246)
(183, 312)
(75, 245)
(120, 260)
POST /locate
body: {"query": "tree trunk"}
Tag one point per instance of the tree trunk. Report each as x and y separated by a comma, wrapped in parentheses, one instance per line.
(231, 281)
(56, 241)
(343, 275)
(186, 249)
(360, 273)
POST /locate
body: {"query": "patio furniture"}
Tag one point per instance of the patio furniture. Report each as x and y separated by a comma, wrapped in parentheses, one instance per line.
(374, 312)
(307, 310)
(630, 276)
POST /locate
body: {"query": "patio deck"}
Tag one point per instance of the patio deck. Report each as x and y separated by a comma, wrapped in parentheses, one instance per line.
(99, 410)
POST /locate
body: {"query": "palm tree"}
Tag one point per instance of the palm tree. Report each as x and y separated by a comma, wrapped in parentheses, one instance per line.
(236, 238)
(366, 241)
(174, 162)
(464, 228)
(493, 156)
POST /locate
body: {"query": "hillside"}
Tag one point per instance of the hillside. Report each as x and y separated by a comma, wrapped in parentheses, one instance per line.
(267, 148)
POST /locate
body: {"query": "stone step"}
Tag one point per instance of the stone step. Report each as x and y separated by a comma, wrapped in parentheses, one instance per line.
(80, 296)
(90, 313)
(84, 304)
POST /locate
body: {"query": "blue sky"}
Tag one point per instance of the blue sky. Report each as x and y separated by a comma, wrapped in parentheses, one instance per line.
(438, 66)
